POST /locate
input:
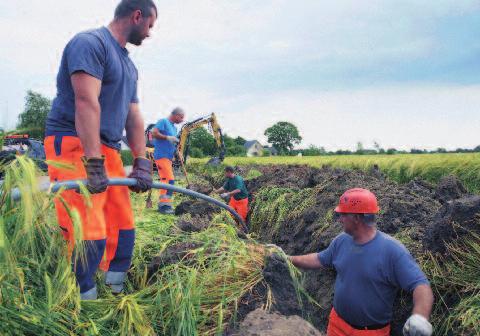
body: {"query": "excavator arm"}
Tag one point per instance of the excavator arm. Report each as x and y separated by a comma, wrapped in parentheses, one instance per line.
(212, 122)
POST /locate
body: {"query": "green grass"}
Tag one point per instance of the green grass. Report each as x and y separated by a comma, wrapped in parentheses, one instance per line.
(38, 294)
(401, 168)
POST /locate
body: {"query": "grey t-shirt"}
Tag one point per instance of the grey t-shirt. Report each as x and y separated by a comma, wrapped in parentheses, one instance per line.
(97, 53)
(369, 276)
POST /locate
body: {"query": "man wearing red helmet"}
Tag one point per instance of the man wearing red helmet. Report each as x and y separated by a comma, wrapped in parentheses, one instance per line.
(371, 266)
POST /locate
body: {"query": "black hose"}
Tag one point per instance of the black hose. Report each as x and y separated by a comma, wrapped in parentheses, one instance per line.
(74, 184)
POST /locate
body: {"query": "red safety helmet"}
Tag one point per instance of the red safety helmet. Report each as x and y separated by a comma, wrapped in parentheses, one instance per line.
(359, 201)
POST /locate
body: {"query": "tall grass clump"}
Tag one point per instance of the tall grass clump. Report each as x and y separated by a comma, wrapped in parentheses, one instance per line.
(198, 295)
(455, 280)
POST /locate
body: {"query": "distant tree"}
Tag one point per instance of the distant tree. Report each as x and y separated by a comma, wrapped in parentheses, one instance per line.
(283, 136)
(477, 149)
(196, 152)
(377, 147)
(201, 139)
(343, 152)
(234, 147)
(441, 150)
(240, 141)
(236, 150)
(360, 150)
(313, 150)
(391, 151)
(416, 151)
(32, 119)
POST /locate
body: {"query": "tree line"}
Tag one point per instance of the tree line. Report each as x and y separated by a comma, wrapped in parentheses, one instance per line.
(283, 136)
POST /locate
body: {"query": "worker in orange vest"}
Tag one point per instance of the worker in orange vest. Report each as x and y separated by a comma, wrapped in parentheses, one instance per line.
(371, 266)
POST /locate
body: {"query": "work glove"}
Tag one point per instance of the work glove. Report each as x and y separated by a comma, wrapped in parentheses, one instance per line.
(142, 172)
(97, 181)
(225, 196)
(417, 325)
(172, 139)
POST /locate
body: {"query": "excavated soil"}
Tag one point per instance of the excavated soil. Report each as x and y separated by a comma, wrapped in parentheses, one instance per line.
(262, 323)
(196, 208)
(423, 216)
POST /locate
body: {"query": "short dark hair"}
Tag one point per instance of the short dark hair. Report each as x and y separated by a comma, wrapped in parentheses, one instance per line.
(229, 169)
(127, 7)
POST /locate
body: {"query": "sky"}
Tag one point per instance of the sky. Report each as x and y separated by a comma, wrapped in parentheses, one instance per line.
(403, 73)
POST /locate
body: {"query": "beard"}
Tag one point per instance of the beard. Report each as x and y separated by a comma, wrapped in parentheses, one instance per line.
(135, 37)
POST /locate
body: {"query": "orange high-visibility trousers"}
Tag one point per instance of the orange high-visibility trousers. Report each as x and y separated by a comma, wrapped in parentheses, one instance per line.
(106, 215)
(165, 172)
(240, 206)
(338, 327)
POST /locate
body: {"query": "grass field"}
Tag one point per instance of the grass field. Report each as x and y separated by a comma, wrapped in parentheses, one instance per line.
(401, 167)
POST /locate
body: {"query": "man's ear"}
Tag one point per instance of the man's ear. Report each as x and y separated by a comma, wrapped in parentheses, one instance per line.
(136, 16)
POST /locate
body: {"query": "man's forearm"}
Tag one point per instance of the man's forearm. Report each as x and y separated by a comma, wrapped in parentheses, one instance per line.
(135, 135)
(233, 192)
(87, 125)
(156, 134)
(307, 261)
(422, 300)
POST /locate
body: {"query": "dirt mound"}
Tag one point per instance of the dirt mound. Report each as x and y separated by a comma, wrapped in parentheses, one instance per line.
(197, 208)
(201, 188)
(260, 322)
(456, 218)
(449, 188)
(407, 213)
(193, 224)
(281, 176)
(277, 276)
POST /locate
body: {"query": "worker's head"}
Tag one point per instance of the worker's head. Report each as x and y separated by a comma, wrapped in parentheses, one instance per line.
(356, 210)
(177, 115)
(138, 16)
(229, 172)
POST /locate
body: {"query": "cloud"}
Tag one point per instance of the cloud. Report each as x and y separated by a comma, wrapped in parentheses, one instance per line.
(406, 65)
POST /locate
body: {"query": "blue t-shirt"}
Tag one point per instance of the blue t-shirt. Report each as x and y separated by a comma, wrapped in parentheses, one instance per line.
(163, 148)
(368, 277)
(97, 53)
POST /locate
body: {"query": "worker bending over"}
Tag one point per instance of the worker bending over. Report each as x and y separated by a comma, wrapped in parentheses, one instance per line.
(371, 266)
(96, 100)
(165, 137)
(235, 190)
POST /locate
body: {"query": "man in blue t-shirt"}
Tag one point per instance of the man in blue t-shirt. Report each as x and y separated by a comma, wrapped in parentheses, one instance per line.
(371, 266)
(165, 140)
(96, 101)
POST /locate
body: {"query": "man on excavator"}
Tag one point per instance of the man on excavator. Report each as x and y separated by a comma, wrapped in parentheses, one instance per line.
(97, 100)
(371, 266)
(234, 189)
(165, 139)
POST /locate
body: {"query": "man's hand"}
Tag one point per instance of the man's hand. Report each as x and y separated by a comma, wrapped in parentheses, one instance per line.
(97, 180)
(142, 172)
(172, 139)
(417, 325)
(225, 195)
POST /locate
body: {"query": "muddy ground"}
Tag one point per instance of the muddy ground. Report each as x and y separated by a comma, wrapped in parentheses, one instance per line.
(423, 216)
